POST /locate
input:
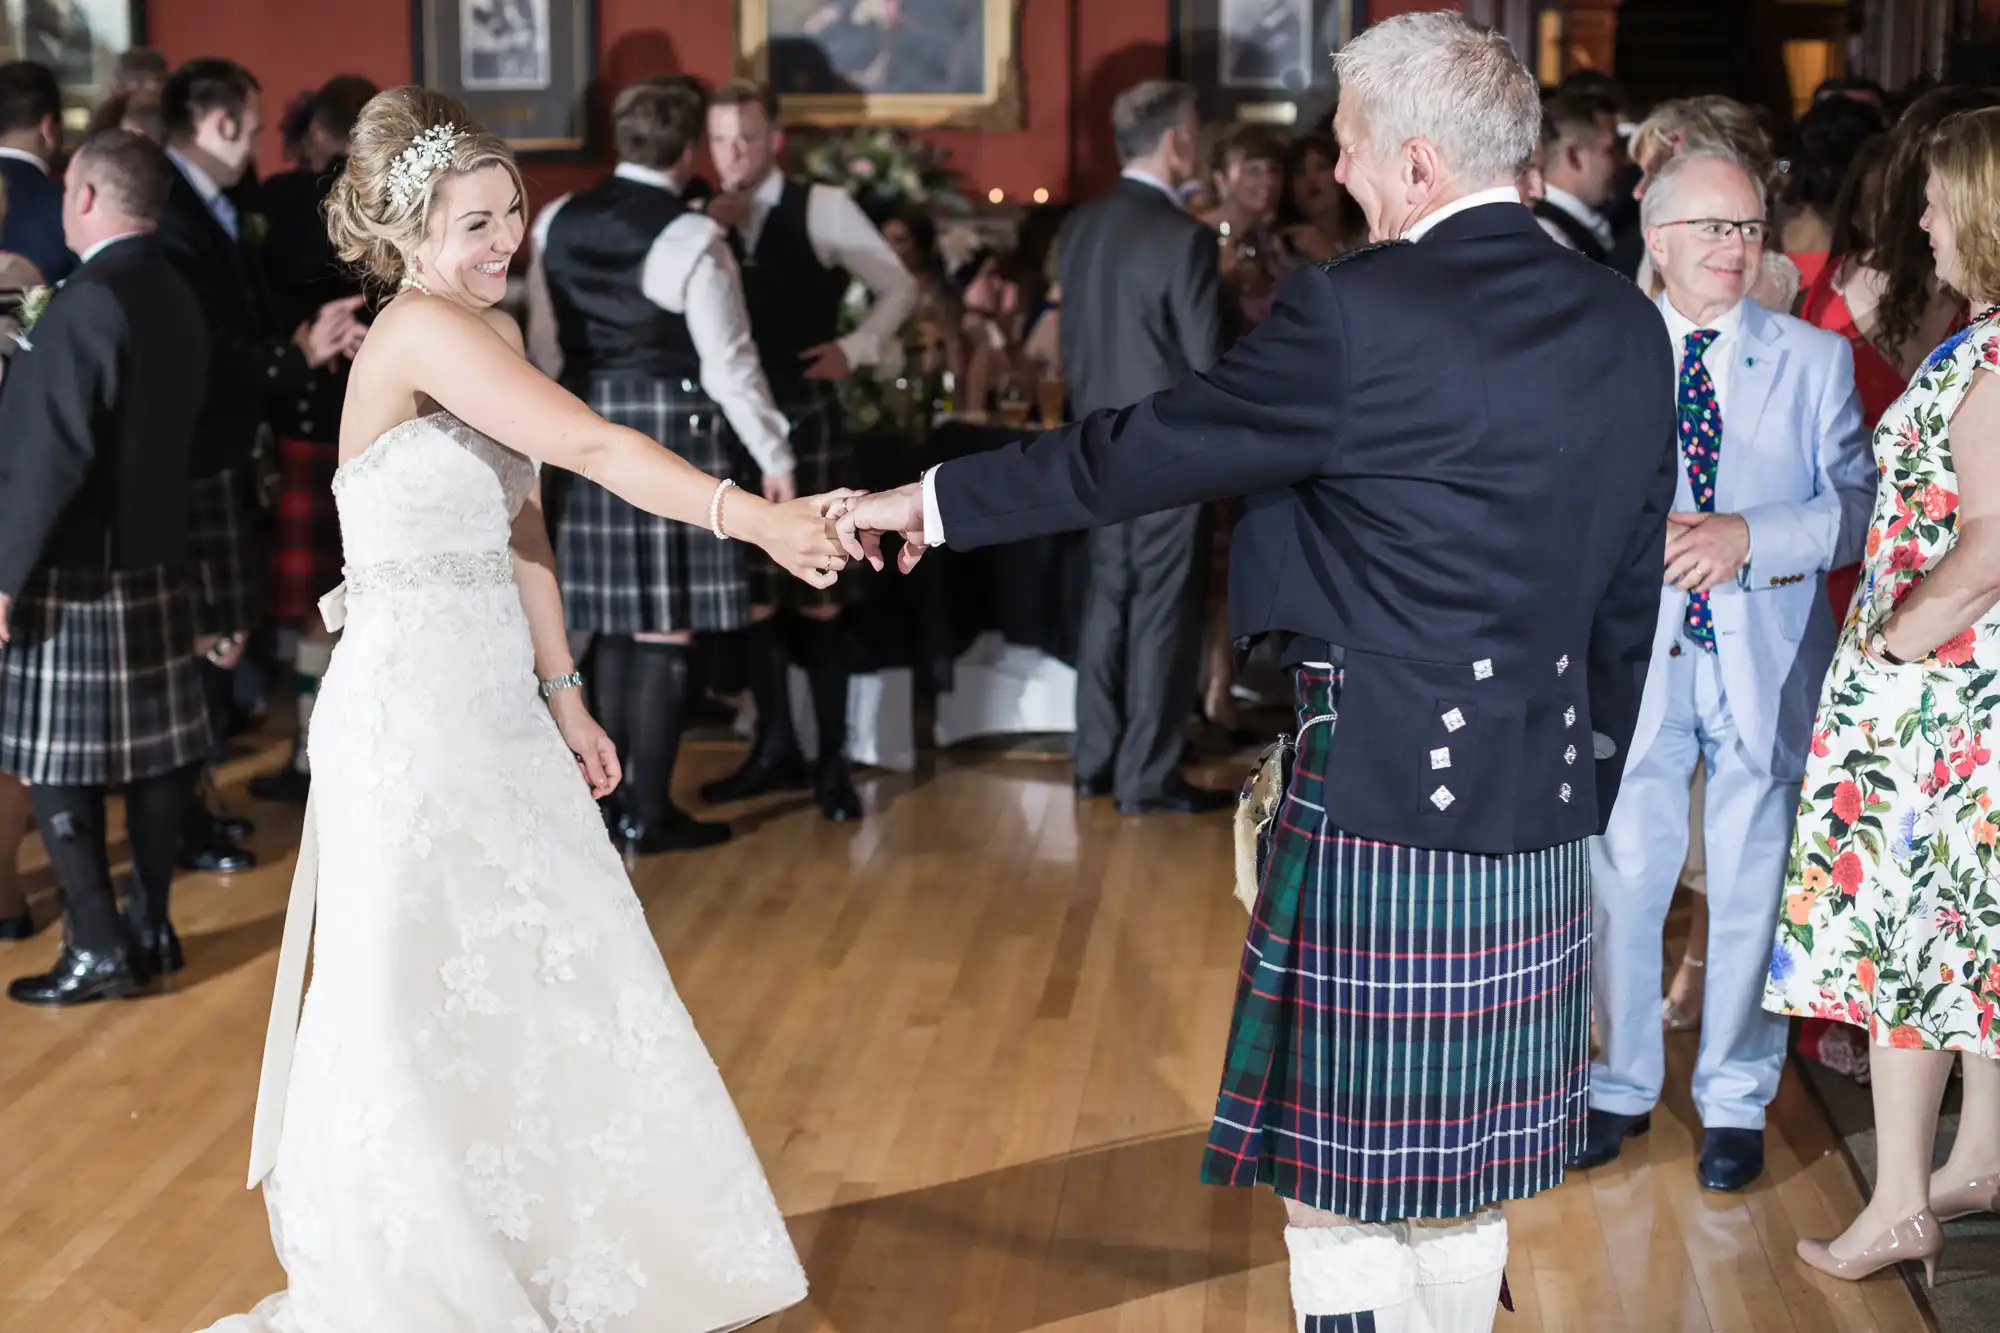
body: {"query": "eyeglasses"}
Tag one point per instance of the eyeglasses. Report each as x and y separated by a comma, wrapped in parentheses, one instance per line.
(1717, 230)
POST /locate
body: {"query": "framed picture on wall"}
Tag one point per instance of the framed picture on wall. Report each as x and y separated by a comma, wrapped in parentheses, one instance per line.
(1261, 60)
(79, 40)
(886, 62)
(524, 67)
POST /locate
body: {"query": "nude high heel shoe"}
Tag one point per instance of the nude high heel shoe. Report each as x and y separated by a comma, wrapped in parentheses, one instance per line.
(1975, 1196)
(1917, 1238)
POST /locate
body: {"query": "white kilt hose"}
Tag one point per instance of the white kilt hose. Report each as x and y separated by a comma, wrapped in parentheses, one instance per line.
(99, 685)
(625, 571)
(225, 554)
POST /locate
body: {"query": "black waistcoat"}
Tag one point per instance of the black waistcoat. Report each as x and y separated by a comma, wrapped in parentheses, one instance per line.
(794, 299)
(596, 253)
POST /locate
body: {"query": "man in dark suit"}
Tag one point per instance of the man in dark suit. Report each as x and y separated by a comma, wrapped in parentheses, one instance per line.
(1579, 173)
(1458, 456)
(99, 683)
(213, 111)
(30, 135)
(1142, 310)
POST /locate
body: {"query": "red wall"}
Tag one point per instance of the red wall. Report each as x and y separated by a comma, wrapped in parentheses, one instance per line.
(1075, 55)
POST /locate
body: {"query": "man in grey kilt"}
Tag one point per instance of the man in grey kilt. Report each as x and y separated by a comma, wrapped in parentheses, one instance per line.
(635, 305)
(99, 683)
(1456, 450)
(800, 245)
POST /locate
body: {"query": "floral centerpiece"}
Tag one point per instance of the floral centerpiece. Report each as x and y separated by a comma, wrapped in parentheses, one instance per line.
(886, 172)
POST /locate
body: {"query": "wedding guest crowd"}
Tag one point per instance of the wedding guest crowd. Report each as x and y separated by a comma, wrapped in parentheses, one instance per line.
(1815, 283)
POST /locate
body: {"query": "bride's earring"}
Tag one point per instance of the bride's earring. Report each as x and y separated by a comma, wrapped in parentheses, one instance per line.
(412, 275)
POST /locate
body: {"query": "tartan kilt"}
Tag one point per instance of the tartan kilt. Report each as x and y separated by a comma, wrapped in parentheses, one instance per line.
(100, 685)
(625, 571)
(825, 457)
(222, 550)
(1411, 1029)
(305, 550)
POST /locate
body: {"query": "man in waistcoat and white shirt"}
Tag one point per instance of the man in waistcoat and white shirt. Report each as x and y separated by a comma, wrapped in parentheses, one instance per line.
(1774, 490)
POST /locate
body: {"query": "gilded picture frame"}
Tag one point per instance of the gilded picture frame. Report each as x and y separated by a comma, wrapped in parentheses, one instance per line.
(1261, 61)
(919, 63)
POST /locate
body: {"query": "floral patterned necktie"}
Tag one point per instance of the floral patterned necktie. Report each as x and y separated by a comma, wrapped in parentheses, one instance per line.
(1701, 442)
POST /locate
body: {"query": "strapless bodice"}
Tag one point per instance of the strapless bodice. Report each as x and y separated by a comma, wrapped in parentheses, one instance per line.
(429, 489)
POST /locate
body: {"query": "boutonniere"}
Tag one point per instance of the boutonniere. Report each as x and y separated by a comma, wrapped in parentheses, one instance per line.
(33, 302)
(255, 228)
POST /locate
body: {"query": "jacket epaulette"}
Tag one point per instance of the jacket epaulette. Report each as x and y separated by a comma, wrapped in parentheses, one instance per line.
(1349, 256)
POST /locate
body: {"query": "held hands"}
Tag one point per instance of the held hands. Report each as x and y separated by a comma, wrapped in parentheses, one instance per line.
(1705, 551)
(596, 756)
(900, 511)
(798, 534)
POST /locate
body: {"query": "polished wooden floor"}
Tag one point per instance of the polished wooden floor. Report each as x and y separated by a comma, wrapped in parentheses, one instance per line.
(976, 1040)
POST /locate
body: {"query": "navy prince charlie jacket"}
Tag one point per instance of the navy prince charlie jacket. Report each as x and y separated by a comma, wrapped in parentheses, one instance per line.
(1458, 455)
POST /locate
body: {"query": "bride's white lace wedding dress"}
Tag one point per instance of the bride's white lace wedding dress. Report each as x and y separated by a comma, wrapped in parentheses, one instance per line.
(499, 1118)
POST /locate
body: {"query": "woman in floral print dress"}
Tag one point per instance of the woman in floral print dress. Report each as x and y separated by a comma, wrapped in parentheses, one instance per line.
(1891, 918)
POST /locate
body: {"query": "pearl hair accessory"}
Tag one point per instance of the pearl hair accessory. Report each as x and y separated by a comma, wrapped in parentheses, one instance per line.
(428, 154)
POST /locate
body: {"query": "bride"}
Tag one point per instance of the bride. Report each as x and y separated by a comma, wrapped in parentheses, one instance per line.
(496, 1116)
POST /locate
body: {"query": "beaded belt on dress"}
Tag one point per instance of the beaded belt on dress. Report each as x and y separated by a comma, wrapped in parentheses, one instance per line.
(447, 569)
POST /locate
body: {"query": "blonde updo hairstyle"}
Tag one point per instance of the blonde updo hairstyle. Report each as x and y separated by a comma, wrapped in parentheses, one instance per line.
(370, 228)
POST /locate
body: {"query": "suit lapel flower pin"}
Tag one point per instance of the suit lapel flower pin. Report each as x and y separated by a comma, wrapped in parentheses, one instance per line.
(34, 301)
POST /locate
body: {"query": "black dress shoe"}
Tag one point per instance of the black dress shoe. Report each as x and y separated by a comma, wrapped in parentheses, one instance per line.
(1730, 1158)
(684, 834)
(834, 790)
(1180, 798)
(287, 786)
(1092, 787)
(216, 854)
(758, 777)
(80, 977)
(20, 927)
(161, 949)
(1604, 1138)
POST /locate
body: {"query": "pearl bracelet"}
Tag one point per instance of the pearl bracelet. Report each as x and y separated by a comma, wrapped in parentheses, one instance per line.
(715, 509)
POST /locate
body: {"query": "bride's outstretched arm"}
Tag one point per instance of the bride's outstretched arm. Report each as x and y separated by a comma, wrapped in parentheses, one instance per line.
(455, 358)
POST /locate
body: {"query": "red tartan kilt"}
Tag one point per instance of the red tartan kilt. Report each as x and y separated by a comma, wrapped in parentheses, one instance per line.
(305, 555)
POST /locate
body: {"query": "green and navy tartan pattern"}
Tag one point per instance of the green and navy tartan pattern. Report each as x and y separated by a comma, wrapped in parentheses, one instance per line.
(1411, 1029)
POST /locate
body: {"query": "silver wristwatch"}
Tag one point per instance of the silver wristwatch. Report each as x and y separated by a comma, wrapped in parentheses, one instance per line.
(573, 681)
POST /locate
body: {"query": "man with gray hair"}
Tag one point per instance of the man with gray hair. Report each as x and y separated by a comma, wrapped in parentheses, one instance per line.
(1141, 311)
(1743, 638)
(1458, 456)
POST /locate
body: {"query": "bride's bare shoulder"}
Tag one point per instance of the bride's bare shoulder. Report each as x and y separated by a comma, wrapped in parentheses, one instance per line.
(507, 327)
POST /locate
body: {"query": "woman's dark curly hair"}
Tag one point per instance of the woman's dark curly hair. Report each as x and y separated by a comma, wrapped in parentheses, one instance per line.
(1828, 137)
(1899, 250)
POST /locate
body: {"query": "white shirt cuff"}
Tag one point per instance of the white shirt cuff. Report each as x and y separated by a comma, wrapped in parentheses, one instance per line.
(933, 520)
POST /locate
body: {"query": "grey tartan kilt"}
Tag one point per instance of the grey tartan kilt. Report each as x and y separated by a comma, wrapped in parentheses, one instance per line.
(224, 554)
(825, 456)
(625, 571)
(100, 685)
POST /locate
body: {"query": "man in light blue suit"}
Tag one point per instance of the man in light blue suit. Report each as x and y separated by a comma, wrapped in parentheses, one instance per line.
(1775, 488)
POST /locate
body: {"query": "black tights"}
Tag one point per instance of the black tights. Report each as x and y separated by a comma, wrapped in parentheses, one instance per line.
(639, 692)
(73, 829)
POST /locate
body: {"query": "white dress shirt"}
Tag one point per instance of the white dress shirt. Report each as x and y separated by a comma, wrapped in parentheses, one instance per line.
(1721, 356)
(1506, 194)
(688, 272)
(842, 237)
(1593, 221)
(23, 155)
